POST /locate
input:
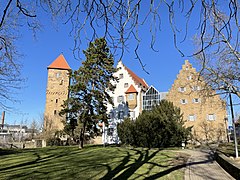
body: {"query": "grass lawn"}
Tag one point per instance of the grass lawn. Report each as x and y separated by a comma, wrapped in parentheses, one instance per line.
(91, 162)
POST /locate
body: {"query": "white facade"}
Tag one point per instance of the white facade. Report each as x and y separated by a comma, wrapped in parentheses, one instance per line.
(126, 79)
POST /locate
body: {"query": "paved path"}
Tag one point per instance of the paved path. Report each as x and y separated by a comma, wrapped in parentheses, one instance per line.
(201, 166)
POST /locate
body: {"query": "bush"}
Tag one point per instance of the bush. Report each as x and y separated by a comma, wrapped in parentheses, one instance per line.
(163, 126)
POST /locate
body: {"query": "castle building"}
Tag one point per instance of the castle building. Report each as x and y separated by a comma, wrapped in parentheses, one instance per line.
(130, 89)
(201, 107)
(57, 91)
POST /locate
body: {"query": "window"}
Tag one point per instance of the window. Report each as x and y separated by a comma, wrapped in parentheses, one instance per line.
(196, 100)
(56, 100)
(182, 89)
(132, 114)
(130, 96)
(55, 112)
(111, 115)
(189, 77)
(196, 88)
(120, 76)
(125, 85)
(183, 101)
(58, 75)
(149, 102)
(110, 131)
(120, 99)
(61, 82)
(120, 115)
(191, 117)
(151, 98)
(211, 117)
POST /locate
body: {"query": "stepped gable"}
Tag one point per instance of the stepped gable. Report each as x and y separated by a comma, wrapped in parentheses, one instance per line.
(59, 63)
(186, 66)
(131, 89)
(139, 81)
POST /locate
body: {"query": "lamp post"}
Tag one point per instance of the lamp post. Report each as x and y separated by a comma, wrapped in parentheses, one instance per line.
(233, 124)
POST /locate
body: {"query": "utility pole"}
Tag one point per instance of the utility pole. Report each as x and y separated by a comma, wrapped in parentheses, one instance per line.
(233, 124)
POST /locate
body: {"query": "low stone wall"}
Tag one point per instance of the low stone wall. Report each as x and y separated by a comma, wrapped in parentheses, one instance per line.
(37, 143)
(228, 164)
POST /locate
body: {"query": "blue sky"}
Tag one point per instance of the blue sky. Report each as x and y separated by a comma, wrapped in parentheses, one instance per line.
(163, 65)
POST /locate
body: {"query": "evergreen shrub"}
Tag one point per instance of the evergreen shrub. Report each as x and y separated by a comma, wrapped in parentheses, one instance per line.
(163, 126)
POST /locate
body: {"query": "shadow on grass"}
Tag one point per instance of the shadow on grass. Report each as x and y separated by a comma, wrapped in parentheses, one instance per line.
(129, 169)
(8, 151)
(50, 163)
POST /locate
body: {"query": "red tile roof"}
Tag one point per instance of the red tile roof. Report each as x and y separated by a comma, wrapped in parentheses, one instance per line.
(137, 79)
(131, 89)
(59, 63)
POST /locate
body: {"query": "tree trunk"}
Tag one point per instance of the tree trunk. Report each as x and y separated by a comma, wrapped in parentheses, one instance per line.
(82, 132)
(81, 139)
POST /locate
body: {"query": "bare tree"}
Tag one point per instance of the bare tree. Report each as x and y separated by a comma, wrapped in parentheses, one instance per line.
(34, 128)
(120, 22)
(220, 57)
(15, 14)
(221, 71)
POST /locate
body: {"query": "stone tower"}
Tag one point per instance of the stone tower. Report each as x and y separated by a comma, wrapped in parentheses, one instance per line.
(57, 91)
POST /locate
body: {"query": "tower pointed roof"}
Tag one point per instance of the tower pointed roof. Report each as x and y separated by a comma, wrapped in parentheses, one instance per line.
(59, 63)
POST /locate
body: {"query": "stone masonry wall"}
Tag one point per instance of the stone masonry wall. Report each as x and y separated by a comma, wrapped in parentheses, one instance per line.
(201, 109)
(56, 93)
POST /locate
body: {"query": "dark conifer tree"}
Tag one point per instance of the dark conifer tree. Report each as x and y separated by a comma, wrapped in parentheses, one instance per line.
(89, 88)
